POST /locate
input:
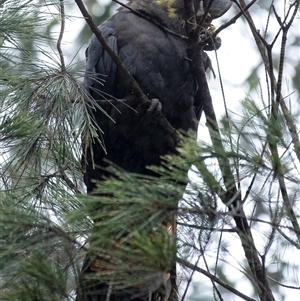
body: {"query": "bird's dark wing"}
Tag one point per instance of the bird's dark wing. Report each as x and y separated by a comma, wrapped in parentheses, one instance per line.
(99, 80)
(100, 68)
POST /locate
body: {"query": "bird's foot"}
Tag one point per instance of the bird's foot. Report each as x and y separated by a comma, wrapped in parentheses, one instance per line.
(210, 43)
(154, 105)
(213, 44)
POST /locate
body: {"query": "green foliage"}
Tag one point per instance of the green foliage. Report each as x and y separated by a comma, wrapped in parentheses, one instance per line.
(43, 117)
(46, 220)
(36, 252)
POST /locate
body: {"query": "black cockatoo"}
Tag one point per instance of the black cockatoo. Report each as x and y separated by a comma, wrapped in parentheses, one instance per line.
(131, 137)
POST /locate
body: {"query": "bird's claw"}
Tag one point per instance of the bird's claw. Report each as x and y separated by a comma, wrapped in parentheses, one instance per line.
(155, 105)
(213, 44)
(210, 43)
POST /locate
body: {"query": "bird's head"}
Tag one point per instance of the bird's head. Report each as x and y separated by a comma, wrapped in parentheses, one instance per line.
(175, 8)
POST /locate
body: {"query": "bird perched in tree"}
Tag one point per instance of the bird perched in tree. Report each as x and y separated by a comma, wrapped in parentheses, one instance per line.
(149, 38)
(158, 61)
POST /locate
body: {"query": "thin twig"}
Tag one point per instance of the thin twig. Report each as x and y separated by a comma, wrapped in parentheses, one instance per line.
(213, 278)
(276, 88)
(190, 279)
(206, 228)
(232, 197)
(260, 45)
(290, 124)
(63, 175)
(285, 30)
(233, 20)
(295, 244)
(284, 285)
(227, 116)
(215, 288)
(60, 37)
(268, 20)
(247, 15)
(48, 228)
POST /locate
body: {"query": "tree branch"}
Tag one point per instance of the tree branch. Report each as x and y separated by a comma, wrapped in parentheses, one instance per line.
(62, 30)
(206, 228)
(213, 278)
(232, 197)
(233, 20)
(262, 45)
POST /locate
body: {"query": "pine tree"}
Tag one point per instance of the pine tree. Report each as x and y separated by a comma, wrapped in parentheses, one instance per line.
(237, 211)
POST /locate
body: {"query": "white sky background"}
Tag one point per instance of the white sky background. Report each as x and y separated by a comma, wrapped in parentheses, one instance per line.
(237, 56)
